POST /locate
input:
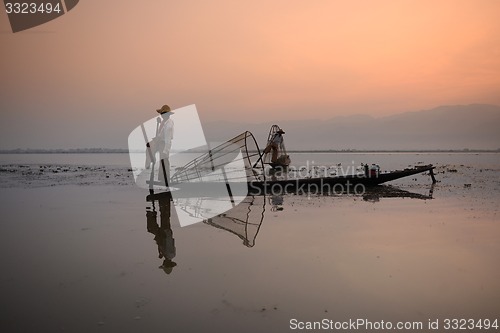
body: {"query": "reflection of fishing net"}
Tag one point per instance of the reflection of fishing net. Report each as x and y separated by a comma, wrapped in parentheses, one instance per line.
(244, 220)
(230, 161)
(282, 158)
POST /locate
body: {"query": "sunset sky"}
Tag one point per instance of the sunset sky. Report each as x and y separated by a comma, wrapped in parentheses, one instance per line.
(88, 78)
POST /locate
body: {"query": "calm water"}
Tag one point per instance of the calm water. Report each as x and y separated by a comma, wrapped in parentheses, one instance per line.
(387, 160)
(80, 251)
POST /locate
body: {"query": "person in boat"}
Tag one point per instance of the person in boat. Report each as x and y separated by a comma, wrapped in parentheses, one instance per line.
(274, 145)
(162, 143)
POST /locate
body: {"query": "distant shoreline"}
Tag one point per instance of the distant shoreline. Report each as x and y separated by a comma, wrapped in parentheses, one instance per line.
(353, 151)
(65, 151)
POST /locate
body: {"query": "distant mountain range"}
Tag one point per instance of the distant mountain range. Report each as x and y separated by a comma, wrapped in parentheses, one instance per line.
(454, 127)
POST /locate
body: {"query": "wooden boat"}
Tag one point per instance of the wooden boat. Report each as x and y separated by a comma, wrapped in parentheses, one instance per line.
(335, 184)
(347, 181)
(190, 180)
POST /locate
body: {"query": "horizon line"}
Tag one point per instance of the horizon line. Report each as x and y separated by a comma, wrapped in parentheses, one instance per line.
(346, 150)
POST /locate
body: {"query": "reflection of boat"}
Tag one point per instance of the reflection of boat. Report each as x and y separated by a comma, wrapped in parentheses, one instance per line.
(374, 193)
(237, 164)
(245, 219)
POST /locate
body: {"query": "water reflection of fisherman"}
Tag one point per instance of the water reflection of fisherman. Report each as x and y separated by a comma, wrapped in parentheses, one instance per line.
(163, 142)
(163, 234)
(274, 145)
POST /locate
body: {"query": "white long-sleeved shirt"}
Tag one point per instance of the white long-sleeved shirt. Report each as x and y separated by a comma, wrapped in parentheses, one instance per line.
(167, 134)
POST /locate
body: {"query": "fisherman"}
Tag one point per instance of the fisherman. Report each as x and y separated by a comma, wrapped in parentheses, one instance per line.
(162, 143)
(274, 145)
(166, 132)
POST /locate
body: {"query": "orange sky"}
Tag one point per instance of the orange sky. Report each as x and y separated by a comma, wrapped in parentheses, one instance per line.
(106, 65)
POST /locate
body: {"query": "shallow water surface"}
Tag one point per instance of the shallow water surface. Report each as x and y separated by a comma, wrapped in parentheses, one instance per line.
(85, 258)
